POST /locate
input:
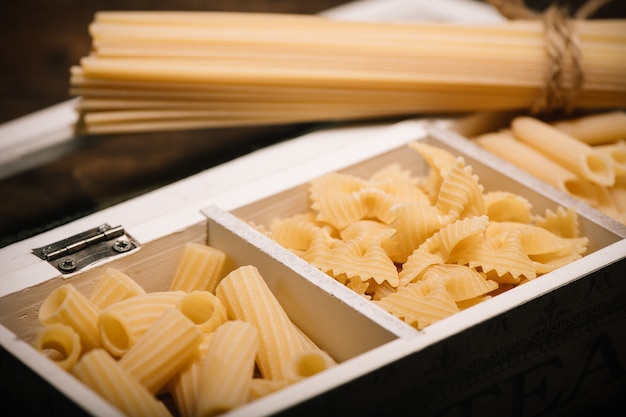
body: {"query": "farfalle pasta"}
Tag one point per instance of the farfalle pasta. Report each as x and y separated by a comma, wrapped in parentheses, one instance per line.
(429, 245)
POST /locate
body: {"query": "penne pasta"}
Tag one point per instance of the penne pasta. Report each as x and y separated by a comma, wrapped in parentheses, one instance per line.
(596, 129)
(566, 150)
(506, 146)
(550, 152)
(616, 152)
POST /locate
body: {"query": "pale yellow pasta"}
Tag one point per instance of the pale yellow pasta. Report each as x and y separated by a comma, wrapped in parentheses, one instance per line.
(505, 206)
(618, 195)
(60, 343)
(114, 286)
(349, 259)
(227, 368)
(99, 371)
(437, 248)
(462, 282)
(451, 242)
(360, 254)
(502, 253)
(321, 244)
(308, 363)
(261, 387)
(539, 241)
(247, 297)
(204, 309)
(562, 222)
(295, 232)
(334, 197)
(69, 306)
(506, 146)
(566, 150)
(163, 350)
(616, 152)
(183, 387)
(200, 268)
(595, 129)
(398, 183)
(420, 303)
(121, 324)
(460, 194)
(414, 223)
(440, 162)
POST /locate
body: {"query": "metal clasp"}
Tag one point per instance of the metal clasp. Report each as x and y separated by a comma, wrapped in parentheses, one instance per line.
(76, 252)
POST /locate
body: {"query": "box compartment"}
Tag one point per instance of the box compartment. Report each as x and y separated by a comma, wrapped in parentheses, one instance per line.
(338, 321)
(553, 344)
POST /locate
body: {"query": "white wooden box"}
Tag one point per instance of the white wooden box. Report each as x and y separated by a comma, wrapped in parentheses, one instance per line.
(554, 345)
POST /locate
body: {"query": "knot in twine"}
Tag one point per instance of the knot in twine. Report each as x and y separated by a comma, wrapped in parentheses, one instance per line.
(565, 71)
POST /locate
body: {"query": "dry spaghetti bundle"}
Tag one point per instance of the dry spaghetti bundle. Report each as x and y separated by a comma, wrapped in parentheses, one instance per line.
(152, 71)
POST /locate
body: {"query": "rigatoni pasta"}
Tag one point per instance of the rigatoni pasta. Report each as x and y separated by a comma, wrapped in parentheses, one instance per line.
(123, 323)
(102, 373)
(247, 297)
(175, 345)
(112, 287)
(69, 306)
(200, 268)
(60, 343)
(155, 359)
(227, 368)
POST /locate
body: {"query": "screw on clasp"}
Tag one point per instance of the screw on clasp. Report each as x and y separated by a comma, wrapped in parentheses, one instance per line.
(122, 245)
(67, 265)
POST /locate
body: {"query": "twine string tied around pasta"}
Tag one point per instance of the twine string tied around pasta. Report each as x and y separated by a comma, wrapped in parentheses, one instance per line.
(565, 68)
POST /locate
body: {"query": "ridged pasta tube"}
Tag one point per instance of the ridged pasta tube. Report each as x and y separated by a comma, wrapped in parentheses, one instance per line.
(204, 309)
(308, 363)
(247, 297)
(123, 323)
(98, 370)
(227, 368)
(114, 286)
(69, 306)
(60, 343)
(163, 350)
(200, 268)
(184, 385)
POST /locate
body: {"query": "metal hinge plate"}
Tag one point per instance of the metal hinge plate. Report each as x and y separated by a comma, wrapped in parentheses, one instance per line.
(76, 252)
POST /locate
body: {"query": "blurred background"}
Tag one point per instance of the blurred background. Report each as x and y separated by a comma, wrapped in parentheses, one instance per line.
(40, 40)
